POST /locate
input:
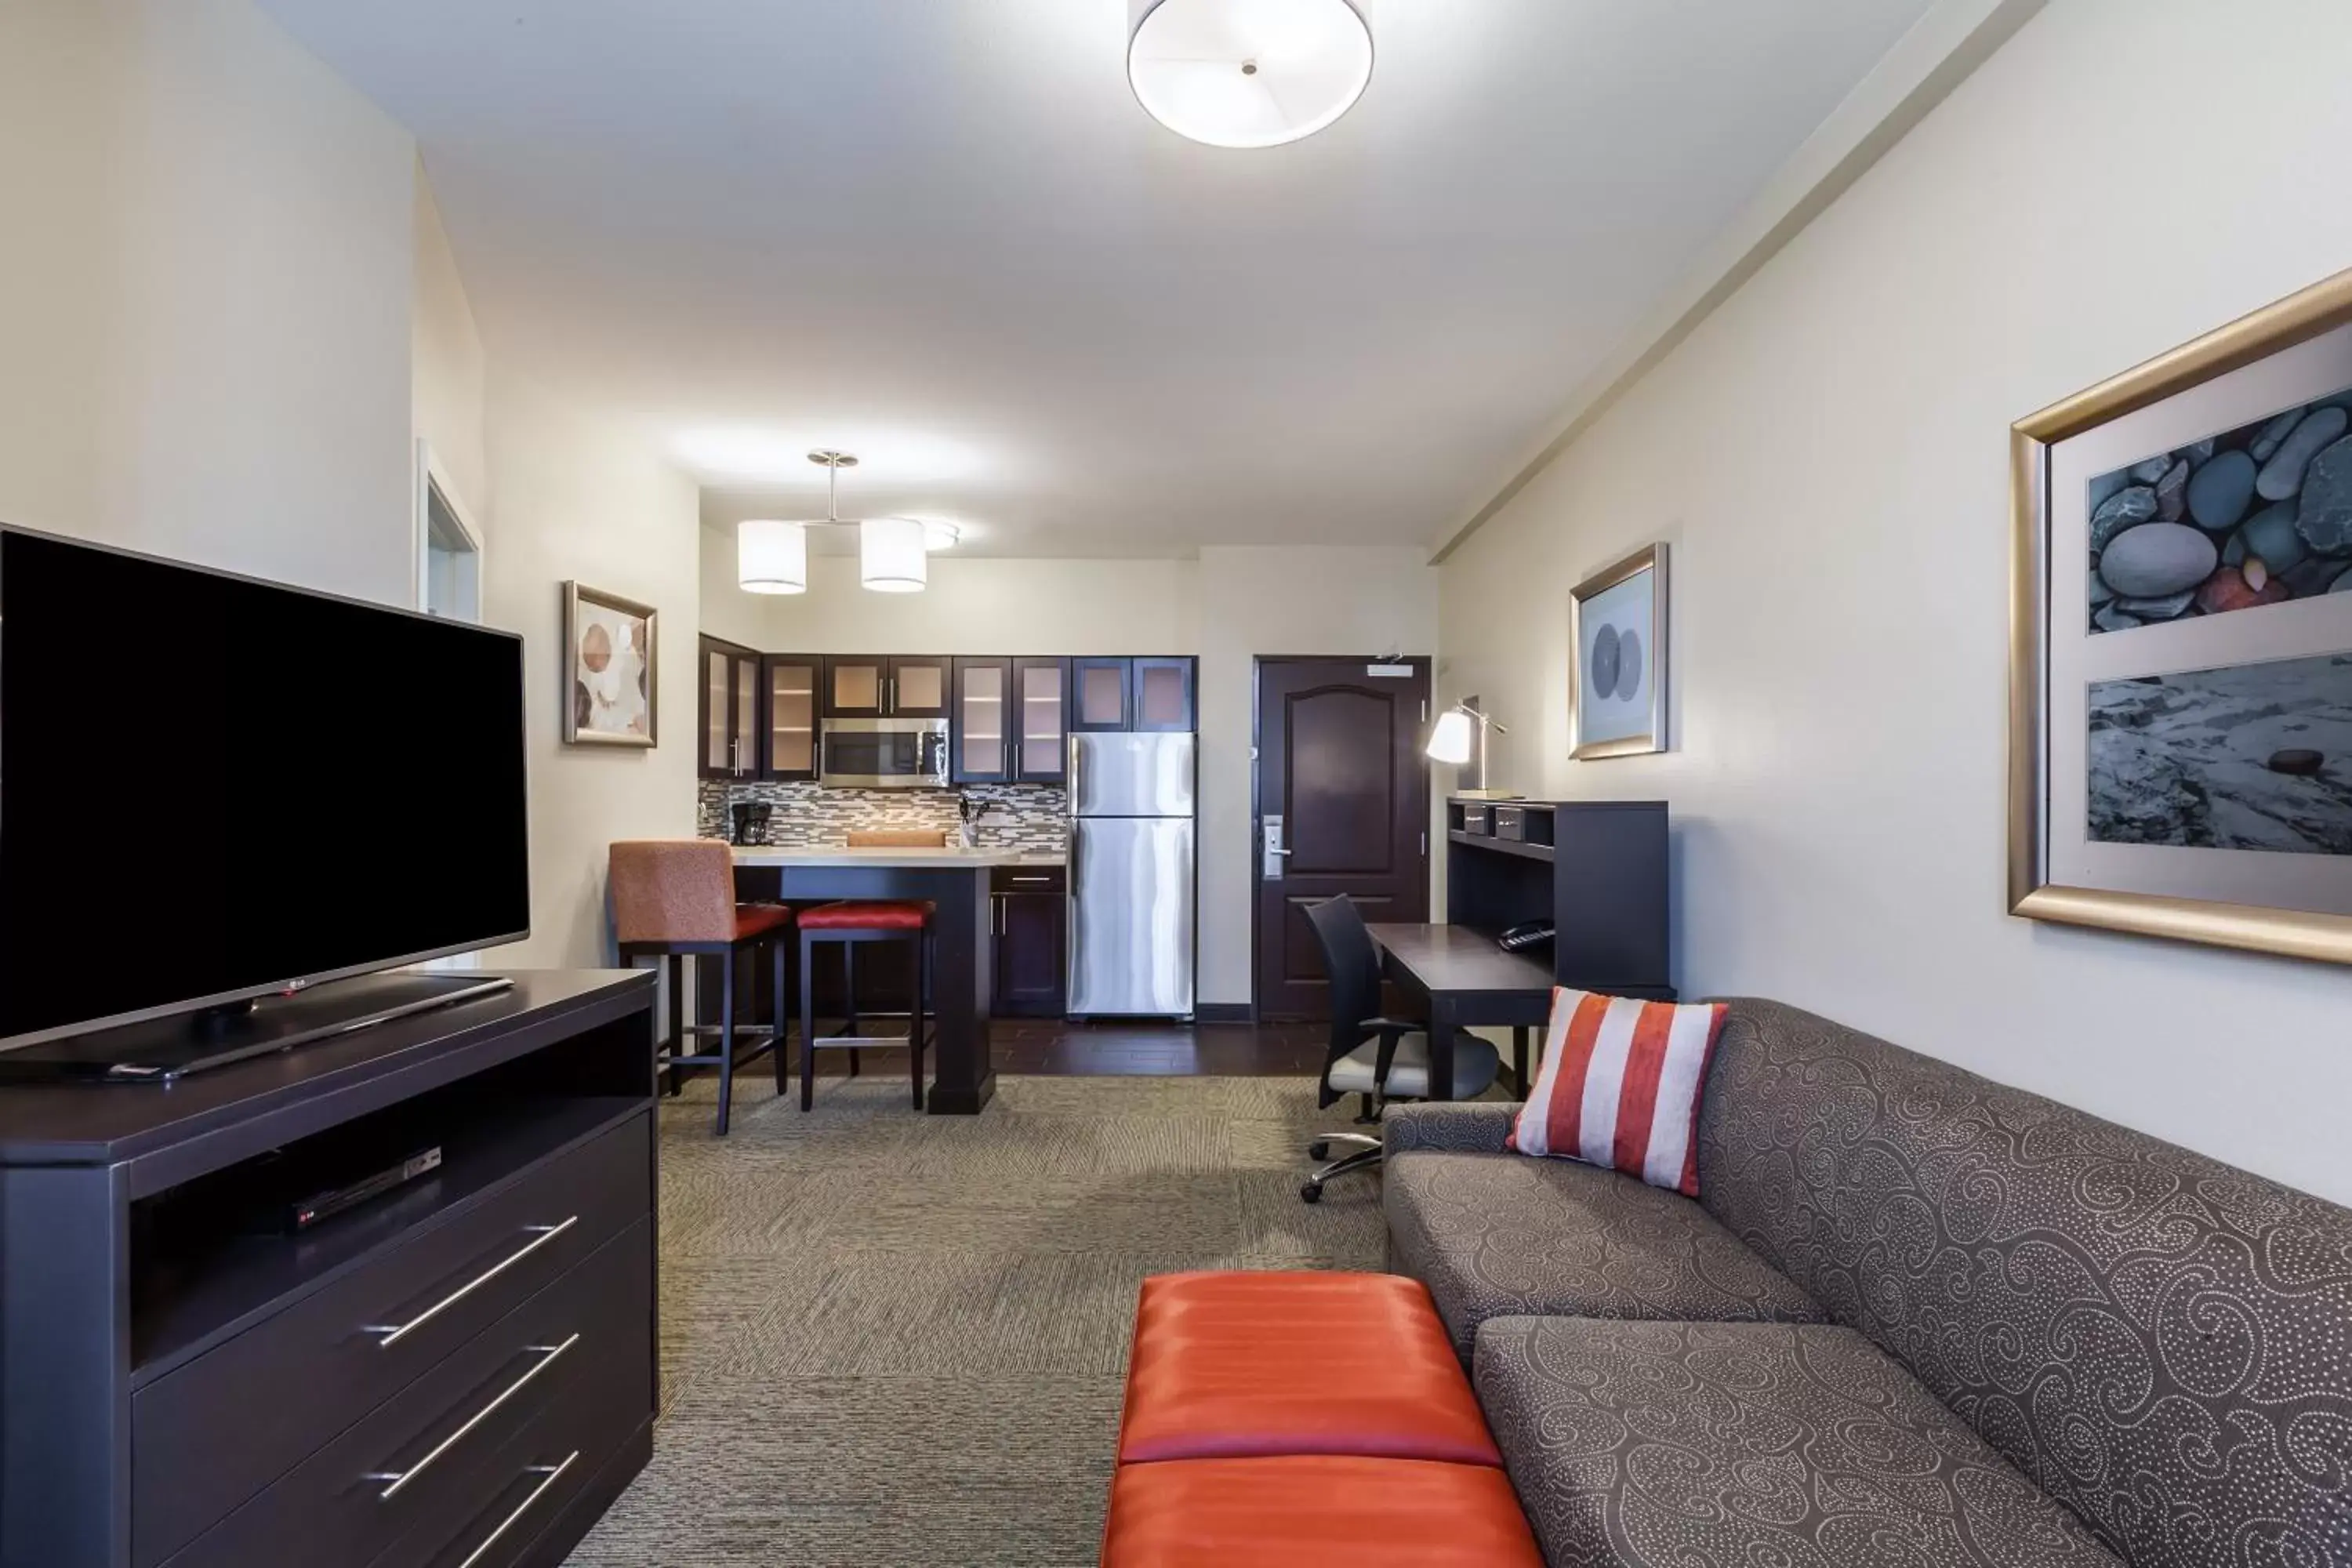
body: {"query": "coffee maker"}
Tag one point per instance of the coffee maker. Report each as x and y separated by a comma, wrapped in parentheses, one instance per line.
(752, 821)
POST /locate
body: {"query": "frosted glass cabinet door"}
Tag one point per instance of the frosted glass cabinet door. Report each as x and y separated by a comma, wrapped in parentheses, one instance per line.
(1043, 686)
(982, 752)
(853, 688)
(792, 684)
(728, 706)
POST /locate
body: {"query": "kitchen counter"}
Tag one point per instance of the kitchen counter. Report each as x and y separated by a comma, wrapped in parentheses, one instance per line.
(917, 858)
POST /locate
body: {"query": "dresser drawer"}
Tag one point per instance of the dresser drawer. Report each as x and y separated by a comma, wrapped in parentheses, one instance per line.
(1028, 880)
(572, 1365)
(209, 1436)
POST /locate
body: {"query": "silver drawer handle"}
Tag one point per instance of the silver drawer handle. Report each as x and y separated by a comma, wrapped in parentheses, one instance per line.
(550, 1474)
(395, 1333)
(1033, 878)
(399, 1479)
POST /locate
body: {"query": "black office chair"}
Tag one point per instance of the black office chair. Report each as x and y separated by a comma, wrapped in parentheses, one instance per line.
(1378, 1059)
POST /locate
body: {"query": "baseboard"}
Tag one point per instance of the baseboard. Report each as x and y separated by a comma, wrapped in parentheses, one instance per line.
(1224, 1013)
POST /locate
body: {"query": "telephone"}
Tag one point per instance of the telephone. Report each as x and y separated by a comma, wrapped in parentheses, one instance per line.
(1525, 935)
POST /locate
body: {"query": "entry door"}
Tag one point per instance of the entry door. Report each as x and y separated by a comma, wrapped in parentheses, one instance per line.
(1343, 807)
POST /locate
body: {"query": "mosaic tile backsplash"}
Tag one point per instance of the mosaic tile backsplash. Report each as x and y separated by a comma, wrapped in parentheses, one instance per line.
(1030, 818)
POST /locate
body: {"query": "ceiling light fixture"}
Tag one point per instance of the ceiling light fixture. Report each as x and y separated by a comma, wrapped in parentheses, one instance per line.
(1249, 73)
(771, 557)
(940, 535)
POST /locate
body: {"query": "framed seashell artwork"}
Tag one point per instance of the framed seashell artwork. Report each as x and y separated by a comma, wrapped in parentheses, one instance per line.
(2180, 615)
(610, 688)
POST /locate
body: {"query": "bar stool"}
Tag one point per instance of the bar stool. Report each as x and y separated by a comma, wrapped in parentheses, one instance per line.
(673, 899)
(852, 924)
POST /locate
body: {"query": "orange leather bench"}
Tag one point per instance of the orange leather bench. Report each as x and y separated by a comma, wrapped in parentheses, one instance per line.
(1291, 1417)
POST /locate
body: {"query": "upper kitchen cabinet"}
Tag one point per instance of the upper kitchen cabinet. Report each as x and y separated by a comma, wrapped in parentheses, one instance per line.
(1041, 687)
(877, 688)
(1102, 694)
(1163, 696)
(727, 710)
(984, 727)
(790, 685)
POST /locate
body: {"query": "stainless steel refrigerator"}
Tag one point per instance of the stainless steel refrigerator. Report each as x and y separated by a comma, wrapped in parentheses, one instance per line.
(1132, 854)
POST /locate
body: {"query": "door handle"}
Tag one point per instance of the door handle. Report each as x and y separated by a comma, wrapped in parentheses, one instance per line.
(1270, 866)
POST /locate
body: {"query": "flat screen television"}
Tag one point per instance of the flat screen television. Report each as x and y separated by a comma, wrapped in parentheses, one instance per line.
(213, 788)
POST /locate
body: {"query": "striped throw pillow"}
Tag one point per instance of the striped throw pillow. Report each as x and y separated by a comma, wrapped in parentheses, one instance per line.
(1620, 1086)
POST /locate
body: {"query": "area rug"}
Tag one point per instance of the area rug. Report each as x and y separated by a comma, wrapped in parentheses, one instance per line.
(890, 1338)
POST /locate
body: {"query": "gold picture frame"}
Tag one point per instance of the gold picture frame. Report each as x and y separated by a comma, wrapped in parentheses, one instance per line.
(616, 701)
(1636, 680)
(2319, 309)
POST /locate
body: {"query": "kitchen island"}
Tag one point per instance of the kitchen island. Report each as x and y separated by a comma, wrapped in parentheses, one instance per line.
(956, 884)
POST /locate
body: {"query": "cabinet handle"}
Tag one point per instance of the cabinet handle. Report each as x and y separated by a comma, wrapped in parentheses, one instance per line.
(399, 1479)
(548, 1474)
(1033, 878)
(395, 1333)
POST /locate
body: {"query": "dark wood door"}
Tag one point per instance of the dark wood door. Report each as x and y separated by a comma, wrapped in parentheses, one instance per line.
(981, 737)
(1163, 694)
(728, 711)
(790, 687)
(1343, 807)
(1029, 954)
(919, 687)
(1102, 694)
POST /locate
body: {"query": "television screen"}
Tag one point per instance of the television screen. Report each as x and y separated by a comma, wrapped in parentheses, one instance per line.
(211, 787)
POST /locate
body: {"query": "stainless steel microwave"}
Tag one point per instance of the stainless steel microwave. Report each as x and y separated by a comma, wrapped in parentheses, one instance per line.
(885, 753)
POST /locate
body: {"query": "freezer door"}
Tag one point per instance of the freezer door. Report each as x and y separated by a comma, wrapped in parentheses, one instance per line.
(1131, 915)
(1117, 775)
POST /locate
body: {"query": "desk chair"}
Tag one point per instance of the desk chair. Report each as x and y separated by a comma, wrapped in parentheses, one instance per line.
(1378, 1059)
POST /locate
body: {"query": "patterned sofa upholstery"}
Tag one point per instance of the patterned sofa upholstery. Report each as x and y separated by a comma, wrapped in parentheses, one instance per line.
(2157, 1342)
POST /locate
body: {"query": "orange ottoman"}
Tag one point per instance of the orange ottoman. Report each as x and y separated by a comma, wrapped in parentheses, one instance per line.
(1226, 1365)
(1314, 1509)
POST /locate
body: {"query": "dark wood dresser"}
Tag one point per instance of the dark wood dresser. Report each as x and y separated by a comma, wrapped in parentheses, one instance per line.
(459, 1373)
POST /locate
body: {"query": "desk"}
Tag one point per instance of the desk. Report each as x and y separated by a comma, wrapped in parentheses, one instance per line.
(1463, 979)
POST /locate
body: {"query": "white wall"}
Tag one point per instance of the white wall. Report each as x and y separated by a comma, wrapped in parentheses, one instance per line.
(203, 293)
(1228, 607)
(451, 370)
(1827, 454)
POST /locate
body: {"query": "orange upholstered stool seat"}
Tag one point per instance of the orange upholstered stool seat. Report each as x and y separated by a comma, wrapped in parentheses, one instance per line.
(1314, 1509)
(867, 914)
(1231, 1364)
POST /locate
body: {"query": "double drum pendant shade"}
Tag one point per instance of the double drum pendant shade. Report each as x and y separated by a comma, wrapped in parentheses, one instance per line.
(1249, 73)
(772, 556)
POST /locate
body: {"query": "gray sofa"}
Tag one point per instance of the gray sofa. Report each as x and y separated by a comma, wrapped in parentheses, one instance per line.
(1914, 1317)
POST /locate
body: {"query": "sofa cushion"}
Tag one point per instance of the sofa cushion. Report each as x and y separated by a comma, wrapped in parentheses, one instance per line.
(1496, 1235)
(1315, 1509)
(1665, 1444)
(2161, 1342)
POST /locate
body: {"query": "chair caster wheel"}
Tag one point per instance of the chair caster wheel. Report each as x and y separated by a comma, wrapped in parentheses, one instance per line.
(1311, 1192)
(1318, 1149)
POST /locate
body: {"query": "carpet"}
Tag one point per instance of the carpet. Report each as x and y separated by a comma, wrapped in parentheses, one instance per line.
(890, 1338)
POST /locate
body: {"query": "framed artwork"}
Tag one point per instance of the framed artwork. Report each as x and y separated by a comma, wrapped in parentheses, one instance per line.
(1617, 624)
(610, 688)
(2180, 671)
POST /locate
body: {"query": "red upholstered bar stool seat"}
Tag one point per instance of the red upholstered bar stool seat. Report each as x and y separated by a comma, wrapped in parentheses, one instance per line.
(850, 924)
(673, 899)
(1311, 1510)
(1230, 1364)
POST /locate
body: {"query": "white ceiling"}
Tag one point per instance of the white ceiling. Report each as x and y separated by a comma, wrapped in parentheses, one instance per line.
(941, 234)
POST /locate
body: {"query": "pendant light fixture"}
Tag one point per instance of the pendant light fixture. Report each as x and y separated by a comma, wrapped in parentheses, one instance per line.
(772, 556)
(1249, 73)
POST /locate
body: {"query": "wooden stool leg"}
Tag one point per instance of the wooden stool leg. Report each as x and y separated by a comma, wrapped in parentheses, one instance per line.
(726, 1036)
(673, 968)
(915, 1023)
(808, 1020)
(780, 960)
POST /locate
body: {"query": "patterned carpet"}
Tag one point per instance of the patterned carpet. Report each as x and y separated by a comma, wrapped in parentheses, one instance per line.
(898, 1339)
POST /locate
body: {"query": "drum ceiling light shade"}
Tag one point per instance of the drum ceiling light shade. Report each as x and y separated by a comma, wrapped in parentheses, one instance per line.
(890, 555)
(1249, 73)
(770, 557)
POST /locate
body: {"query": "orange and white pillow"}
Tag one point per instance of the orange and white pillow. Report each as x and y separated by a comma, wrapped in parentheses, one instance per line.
(1620, 1086)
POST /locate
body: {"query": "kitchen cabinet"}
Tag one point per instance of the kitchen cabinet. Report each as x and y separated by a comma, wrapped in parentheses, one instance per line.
(860, 687)
(1102, 694)
(1042, 720)
(790, 686)
(1029, 906)
(1163, 694)
(982, 729)
(726, 710)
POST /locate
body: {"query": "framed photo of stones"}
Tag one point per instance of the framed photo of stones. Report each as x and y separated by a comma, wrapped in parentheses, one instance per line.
(1617, 625)
(2180, 681)
(610, 686)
